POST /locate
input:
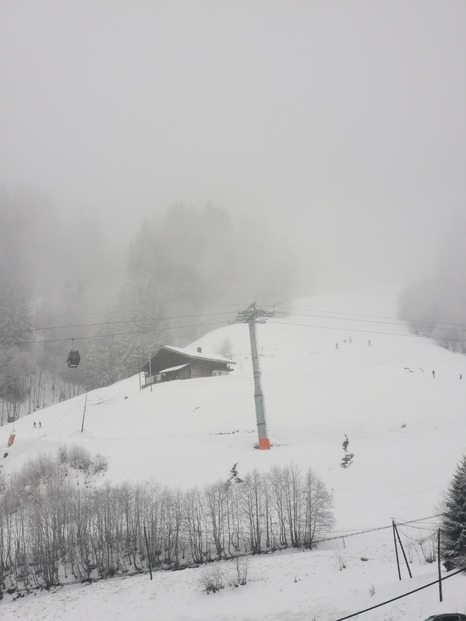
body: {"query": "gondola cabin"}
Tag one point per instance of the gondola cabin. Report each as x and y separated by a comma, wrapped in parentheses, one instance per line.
(73, 359)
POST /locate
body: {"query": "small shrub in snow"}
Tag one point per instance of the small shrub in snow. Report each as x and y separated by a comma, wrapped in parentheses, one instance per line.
(341, 562)
(79, 458)
(372, 590)
(240, 578)
(212, 580)
(63, 454)
(100, 464)
(428, 550)
(36, 471)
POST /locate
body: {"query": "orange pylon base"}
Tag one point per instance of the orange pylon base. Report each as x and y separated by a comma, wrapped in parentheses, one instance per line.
(264, 444)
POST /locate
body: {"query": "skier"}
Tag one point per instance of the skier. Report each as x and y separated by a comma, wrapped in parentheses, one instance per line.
(345, 443)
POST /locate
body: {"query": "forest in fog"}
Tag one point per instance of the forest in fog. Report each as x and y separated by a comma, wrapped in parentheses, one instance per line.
(435, 306)
(66, 283)
(73, 282)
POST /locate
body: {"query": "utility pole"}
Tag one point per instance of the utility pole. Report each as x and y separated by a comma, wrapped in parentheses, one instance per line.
(84, 414)
(439, 568)
(252, 315)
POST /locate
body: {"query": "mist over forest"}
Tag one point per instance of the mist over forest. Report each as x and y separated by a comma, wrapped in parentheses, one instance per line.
(183, 272)
(65, 284)
(435, 306)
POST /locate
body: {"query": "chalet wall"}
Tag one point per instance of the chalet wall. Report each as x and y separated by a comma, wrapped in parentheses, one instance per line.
(201, 368)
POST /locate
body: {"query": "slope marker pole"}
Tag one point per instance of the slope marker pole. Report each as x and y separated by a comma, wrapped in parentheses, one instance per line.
(84, 414)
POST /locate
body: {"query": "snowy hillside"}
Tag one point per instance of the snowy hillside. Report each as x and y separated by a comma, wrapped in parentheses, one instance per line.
(338, 364)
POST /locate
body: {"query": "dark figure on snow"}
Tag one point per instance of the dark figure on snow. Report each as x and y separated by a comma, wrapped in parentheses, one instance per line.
(433, 374)
(34, 425)
(345, 442)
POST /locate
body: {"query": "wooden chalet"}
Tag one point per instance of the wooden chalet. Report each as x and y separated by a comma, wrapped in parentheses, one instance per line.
(172, 363)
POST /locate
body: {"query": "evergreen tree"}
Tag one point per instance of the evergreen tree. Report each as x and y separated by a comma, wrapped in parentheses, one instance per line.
(454, 520)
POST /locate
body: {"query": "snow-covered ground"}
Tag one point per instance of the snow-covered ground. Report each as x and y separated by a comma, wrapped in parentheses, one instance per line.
(340, 364)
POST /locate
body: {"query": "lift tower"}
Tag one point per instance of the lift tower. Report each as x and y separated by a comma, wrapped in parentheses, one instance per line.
(252, 315)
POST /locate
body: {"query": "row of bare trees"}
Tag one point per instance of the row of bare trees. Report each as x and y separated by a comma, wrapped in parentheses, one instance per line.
(53, 531)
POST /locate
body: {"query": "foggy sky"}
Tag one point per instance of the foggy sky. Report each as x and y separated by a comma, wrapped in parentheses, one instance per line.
(343, 121)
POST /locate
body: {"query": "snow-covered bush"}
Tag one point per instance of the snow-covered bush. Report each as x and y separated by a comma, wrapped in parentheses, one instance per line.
(240, 577)
(79, 458)
(212, 580)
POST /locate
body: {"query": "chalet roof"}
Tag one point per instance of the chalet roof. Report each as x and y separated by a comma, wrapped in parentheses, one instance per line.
(188, 353)
(193, 353)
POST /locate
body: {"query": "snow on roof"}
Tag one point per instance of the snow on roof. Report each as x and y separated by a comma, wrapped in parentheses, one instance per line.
(192, 353)
(180, 366)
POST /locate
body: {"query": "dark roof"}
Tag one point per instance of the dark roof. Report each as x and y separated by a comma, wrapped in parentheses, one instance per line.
(193, 353)
(188, 353)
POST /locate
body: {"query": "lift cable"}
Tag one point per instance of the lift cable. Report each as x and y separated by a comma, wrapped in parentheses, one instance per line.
(122, 312)
(292, 310)
(222, 323)
(96, 336)
(306, 325)
(375, 319)
(356, 533)
(110, 323)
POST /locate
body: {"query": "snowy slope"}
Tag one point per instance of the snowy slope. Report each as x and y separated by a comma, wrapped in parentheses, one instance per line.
(339, 364)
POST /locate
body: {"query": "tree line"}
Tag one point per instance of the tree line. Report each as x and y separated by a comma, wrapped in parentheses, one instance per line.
(53, 531)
